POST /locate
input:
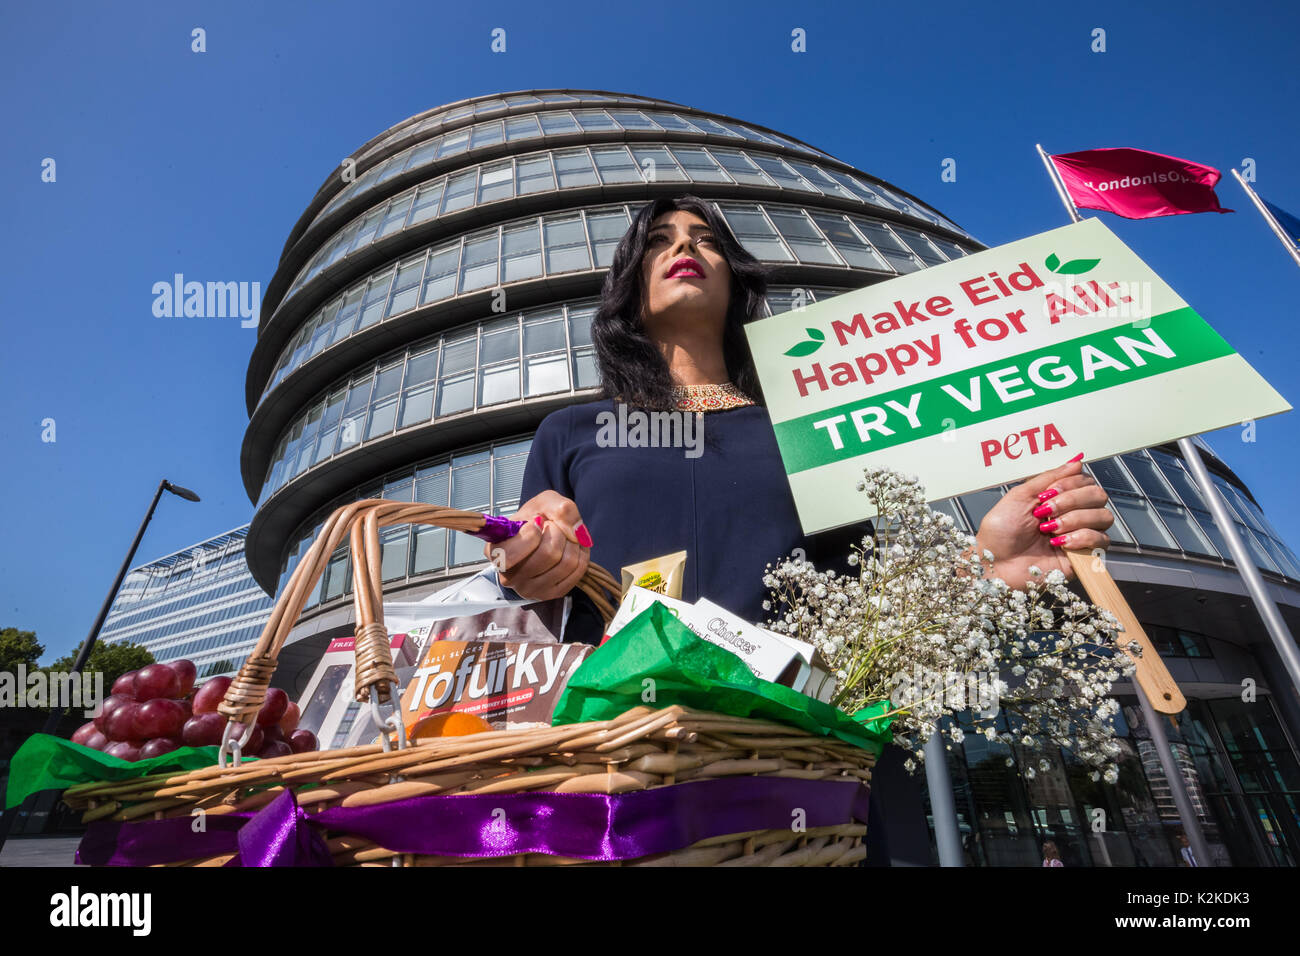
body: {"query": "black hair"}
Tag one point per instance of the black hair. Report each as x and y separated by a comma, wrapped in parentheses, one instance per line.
(632, 369)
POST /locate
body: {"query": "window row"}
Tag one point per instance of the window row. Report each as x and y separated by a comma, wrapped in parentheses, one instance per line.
(585, 240)
(482, 108)
(540, 352)
(484, 479)
(586, 166)
(549, 123)
(198, 596)
(203, 564)
(151, 634)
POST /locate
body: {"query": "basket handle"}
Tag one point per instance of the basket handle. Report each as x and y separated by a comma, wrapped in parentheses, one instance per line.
(360, 521)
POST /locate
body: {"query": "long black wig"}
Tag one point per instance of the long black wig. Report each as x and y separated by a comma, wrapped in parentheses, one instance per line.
(632, 369)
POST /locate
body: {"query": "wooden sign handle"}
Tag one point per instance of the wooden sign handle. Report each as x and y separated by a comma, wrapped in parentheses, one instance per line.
(1152, 675)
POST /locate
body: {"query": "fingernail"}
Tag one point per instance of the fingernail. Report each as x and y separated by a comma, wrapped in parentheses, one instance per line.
(581, 533)
(1042, 511)
(1078, 457)
(1052, 525)
(1058, 541)
(1049, 493)
(539, 521)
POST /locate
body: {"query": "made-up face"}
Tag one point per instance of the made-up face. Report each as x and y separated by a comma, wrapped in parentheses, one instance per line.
(685, 279)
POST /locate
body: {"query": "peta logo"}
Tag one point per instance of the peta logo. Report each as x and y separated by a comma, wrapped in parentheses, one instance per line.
(76, 909)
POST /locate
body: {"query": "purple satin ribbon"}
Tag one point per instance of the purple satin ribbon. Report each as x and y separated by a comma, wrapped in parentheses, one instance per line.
(497, 529)
(588, 826)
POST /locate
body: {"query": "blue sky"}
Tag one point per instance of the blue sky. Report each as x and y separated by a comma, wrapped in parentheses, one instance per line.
(173, 161)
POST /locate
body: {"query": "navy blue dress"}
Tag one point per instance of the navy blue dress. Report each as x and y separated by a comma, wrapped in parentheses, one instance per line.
(729, 508)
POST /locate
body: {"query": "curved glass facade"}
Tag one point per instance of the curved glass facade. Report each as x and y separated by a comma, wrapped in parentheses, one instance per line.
(558, 170)
(527, 126)
(584, 240)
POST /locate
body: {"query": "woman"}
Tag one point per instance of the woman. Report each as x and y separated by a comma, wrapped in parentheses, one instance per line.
(669, 337)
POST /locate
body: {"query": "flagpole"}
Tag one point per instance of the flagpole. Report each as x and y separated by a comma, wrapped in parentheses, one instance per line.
(1055, 175)
(1169, 764)
(1268, 218)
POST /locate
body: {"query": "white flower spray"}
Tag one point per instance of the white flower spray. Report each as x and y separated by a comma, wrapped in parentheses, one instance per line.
(922, 625)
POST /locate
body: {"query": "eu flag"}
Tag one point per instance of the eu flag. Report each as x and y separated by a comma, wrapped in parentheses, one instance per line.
(1289, 223)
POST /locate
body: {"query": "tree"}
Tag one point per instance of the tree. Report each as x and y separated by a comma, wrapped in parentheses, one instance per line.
(19, 647)
(113, 659)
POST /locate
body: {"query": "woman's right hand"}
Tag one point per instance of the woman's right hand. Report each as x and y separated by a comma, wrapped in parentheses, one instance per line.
(550, 552)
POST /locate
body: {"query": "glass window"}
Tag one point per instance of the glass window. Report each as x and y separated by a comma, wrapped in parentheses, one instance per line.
(585, 372)
(782, 174)
(699, 165)
(740, 167)
(673, 121)
(426, 202)
(616, 165)
(478, 268)
(508, 478)
(921, 245)
(395, 218)
(471, 480)
(803, 237)
(321, 336)
(440, 279)
(860, 189)
(755, 233)
(633, 120)
(406, 288)
(580, 325)
(369, 225)
(899, 256)
(460, 191)
(354, 413)
(394, 545)
(499, 362)
(849, 242)
(594, 119)
(535, 175)
(497, 182)
(453, 143)
(372, 306)
(329, 426)
(657, 164)
(456, 383)
(486, 134)
(818, 178)
(573, 167)
(558, 122)
(566, 246)
(950, 249)
(522, 127)
(347, 317)
(521, 252)
(606, 229)
(384, 400)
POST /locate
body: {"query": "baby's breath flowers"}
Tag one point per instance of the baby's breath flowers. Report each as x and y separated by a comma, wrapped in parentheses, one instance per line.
(922, 629)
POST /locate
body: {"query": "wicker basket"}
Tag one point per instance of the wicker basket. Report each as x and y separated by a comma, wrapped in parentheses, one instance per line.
(642, 750)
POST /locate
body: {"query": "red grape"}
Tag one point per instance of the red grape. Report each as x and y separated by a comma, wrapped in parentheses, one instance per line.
(157, 747)
(98, 741)
(110, 705)
(187, 705)
(125, 685)
(273, 733)
(160, 717)
(254, 746)
(203, 730)
(289, 722)
(84, 732)
(273, 708)
(210, 694)
(303, 740)
(120, 725)
(156, 680)
(275, 748)
(186, 671)
(124, 751)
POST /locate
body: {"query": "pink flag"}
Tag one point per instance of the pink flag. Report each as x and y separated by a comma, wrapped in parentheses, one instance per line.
(1136, 184)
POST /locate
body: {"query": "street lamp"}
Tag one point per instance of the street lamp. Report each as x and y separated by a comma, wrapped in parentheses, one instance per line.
(56, 714)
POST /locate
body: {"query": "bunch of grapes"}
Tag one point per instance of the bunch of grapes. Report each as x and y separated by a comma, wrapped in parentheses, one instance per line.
(156, 709)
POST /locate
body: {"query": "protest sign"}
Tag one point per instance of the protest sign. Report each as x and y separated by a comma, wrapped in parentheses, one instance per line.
(992, 368)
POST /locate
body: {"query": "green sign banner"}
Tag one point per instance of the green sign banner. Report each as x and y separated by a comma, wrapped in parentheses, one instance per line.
(991, 368)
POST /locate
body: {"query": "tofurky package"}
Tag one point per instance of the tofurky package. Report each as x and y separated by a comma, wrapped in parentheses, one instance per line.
(770, 656)
(663, 575)
(511, 685)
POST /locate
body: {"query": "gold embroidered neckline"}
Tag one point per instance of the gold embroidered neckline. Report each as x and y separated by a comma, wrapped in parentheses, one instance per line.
(709, 398)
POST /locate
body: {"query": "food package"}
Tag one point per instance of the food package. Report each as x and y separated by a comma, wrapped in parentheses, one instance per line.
(663, 575)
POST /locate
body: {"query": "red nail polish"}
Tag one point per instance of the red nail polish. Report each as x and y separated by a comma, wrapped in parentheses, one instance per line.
(1049, 493)
(1058, 541)
(1052, 525)
(1078, 457)
(582, 534)
(1042, 511)
(539, 521)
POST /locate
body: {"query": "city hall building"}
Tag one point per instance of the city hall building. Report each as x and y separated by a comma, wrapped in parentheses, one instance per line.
(433, 303)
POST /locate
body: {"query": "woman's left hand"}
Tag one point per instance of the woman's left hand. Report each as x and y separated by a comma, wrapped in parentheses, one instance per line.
(1074, 517)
